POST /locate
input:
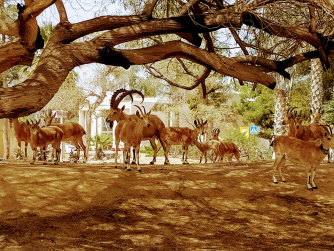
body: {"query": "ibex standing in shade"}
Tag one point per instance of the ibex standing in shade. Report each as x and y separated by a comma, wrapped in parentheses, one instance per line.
(117, 114)
(308, 153)
(73, 133)
(229, 150)
(183, 136)
(42, 137)
(131, 134)
(22, 134)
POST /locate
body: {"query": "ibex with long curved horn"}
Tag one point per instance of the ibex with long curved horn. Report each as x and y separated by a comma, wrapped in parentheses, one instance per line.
(117, 114)
(131, 134)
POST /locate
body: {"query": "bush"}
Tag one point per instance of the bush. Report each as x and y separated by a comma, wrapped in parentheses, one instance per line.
(250, 145)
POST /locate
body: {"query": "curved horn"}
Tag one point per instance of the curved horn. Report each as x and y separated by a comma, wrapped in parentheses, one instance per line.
(139, 108)
(120, 98)
(330, 129)
(144, 108)
(293, 109)
(325, 126)
(113, 98)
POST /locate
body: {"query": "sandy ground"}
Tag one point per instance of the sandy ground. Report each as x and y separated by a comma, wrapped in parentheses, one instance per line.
(95, 206)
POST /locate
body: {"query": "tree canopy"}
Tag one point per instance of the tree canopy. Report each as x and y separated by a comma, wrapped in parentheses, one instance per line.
(193, 34)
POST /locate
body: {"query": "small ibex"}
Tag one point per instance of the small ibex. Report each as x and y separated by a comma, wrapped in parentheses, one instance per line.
(229, 150)
(42, 137)
(308, 153)
(206, 146)
(183, 136)
(73, 133)
(131, 134)
(22, 134)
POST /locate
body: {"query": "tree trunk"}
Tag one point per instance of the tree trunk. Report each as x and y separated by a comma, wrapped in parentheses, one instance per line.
(316, 87)
(88, 129)
(281, 105)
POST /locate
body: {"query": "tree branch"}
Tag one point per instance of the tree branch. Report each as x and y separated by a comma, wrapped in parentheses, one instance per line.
(62, 11)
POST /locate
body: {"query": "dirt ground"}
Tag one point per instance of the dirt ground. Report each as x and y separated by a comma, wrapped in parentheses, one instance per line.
(176, 207)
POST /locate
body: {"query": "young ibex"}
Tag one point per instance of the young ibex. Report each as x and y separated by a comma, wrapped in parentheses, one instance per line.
(117, 114)
(42, 137)
(73, 133)
(131, 134)
(308, 153)
(206, 146)
(22, 134)
(183, 136)
(229, 150)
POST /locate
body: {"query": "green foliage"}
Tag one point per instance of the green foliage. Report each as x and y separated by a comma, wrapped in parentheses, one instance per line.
(328, 116)
(103, 140)
(300, 97)
(251, 145)
(257, 107)
(150, 152)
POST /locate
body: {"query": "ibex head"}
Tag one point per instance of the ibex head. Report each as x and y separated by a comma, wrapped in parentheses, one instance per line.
(215, 133)
(116, 113)
(200, 125)
(34, 126)
(317, 115)
(290, 115)
(143, 116)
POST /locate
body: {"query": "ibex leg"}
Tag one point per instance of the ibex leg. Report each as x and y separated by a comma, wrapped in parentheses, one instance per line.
(83, 149)
(279, 160)
(167, 147)
(155, 150)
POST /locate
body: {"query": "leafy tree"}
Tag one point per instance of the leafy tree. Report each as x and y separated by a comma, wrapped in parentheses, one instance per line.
(104, 140)
(257, 107)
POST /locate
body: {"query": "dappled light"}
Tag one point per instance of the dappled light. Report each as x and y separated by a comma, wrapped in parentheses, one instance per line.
(193, 207)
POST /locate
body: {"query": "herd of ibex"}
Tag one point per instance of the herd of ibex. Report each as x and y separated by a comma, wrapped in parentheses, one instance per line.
(306, 145)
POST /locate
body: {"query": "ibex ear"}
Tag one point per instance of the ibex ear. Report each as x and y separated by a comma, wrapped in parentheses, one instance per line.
(195, 122)
(27, 121)
(137, 113)
(149, 113)
(205, 122)
(123, 107)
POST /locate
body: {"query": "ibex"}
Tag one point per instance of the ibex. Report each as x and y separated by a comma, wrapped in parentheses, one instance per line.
(206, 146)
(308, 153)
(42, 137)
(22, 134)
(73, 133)
(230, 149)
(117, 114)
(183, 136)
(131, 134)
(290, 121)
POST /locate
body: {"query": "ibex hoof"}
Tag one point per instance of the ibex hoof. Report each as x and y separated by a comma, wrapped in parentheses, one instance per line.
(151, 163)
(139, 170)
(115, 166)
(166, 163)
(275, 182)
(133, 163)
(315, 187)
(284, 181)
(44, 163)
(310, 189)
(56, 163)
(31, 163)
(129, 169)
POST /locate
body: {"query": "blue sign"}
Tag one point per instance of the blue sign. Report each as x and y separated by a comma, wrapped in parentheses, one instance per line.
(253, 130)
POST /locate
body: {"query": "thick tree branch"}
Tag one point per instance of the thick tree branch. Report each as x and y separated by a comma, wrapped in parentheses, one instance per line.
(62, 11)
(148, 9)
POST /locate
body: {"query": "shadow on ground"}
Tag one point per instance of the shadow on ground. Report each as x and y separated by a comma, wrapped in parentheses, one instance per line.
(176, 207)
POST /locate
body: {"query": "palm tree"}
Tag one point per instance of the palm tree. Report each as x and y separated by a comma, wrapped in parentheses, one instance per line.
(316, 87)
